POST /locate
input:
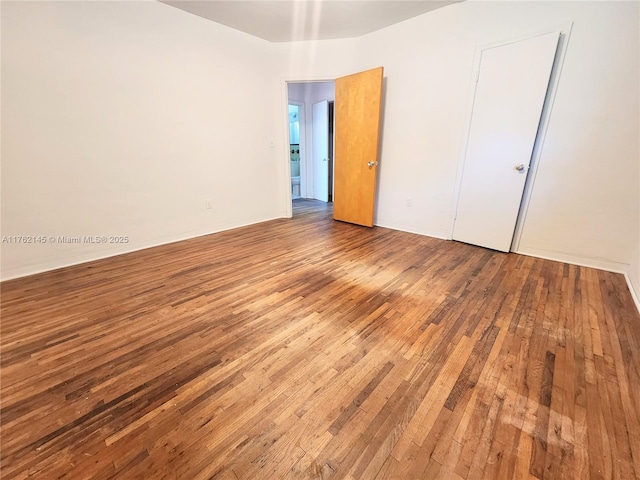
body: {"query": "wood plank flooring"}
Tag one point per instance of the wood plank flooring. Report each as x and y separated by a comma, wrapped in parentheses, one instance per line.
(311, 349)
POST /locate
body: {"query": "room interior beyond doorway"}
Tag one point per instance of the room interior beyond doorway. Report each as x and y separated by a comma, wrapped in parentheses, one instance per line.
(315, 171)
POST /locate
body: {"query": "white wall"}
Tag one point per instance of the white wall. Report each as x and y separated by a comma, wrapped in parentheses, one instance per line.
(121, 118)
(584, 204)
(633, 276)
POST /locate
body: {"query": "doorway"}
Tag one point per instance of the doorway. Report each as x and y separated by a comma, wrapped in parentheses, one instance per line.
(316, 143)
(294, 147)
(511, 89)
(322, 150)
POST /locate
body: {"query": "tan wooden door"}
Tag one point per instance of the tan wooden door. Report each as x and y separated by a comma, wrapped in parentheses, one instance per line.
(357, 126)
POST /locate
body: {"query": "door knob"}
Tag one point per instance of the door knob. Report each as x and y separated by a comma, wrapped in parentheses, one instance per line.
(371, 164)
(520, 167)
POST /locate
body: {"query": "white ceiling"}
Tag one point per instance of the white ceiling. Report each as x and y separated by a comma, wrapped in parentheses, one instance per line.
(286, 20)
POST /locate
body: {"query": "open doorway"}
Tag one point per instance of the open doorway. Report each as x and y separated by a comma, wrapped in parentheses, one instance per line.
(295, 109)
(312, 158)
(355, 147)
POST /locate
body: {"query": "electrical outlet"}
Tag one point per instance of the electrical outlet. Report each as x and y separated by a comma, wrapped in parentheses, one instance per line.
(409, 202)
(207, 204)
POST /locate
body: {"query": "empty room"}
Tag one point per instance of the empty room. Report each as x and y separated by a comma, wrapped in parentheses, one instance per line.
(320, 239)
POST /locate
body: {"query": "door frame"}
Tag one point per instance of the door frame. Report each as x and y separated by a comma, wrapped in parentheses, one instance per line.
(556, 71)
(284, 115)
(315, 162)
(303, 140)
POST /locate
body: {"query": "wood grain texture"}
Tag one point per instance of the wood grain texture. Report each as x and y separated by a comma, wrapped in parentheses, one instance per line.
(357, 132)
(312, 349)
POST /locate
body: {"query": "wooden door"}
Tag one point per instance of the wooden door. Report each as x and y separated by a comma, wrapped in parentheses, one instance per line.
(320, 149)
(357, 125)
(510, 93)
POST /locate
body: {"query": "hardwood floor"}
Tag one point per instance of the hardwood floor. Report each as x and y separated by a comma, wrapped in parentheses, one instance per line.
(308, 348)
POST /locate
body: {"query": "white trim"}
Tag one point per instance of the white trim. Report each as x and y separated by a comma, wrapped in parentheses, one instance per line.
(285, 81)
(556, 71)
(597, 263)
(635, 295)
(544, 122)
(564, 257)
(288, 206)
(471, 96)
(94, 256)
(302, 144)
(441, 235)
(589, 262)
(310, 78)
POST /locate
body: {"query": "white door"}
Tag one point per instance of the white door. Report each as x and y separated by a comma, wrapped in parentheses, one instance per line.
(510, 94)
(320, 147)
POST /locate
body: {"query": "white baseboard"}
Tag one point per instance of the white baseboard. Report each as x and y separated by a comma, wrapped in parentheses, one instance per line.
(441, 235)
(597, 263)
(93, 256)
(600, 264)
(634, 294)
